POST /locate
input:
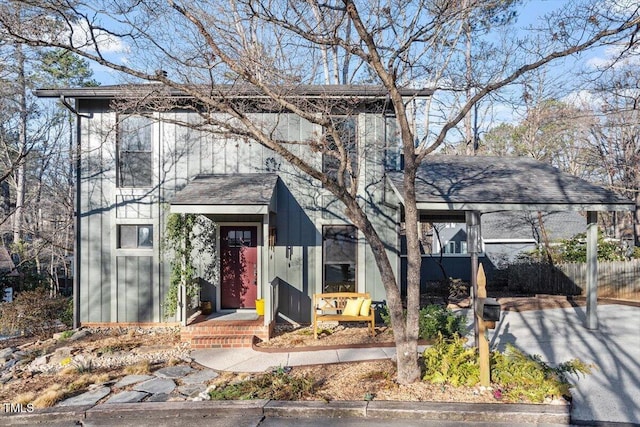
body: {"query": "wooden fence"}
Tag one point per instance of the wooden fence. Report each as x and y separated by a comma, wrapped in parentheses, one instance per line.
(616, 279)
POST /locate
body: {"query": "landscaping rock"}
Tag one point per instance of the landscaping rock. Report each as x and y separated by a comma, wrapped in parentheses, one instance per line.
(199, 377)
(156, 385)
(173, 371)
(19, 355)
(60, 354)
(79, 335)
(191, 390)
(40, 361)
(132, 379)
(6, 353)
(88, 398)
(127, 397)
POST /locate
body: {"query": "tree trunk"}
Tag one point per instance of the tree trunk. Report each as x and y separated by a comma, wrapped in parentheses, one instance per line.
(636, 220)
(18, 216)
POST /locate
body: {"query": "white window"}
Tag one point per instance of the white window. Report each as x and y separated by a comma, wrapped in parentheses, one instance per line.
(134, 157)
(135, 236)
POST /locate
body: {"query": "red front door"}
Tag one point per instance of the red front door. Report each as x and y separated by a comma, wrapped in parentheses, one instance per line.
(239, 267)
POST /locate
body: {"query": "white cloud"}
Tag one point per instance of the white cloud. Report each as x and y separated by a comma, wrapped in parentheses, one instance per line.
(106, 43)
(581, 99)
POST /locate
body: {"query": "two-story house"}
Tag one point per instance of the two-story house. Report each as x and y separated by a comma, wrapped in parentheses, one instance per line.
(280, 236)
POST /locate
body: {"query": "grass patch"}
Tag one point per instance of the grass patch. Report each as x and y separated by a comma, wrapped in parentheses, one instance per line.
(65, 335)
(24, 398)
(50, 396)
(87, 379)
(276, 385)
(141, 368)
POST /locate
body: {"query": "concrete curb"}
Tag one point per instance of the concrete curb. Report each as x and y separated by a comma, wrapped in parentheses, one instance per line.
(435, 411)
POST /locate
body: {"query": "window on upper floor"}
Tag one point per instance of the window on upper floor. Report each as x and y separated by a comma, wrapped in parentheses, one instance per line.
(135, 150)
(135, 236)
(347, 128)
(455, 247)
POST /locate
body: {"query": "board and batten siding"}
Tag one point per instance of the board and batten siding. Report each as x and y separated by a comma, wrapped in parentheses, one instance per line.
(125, 285)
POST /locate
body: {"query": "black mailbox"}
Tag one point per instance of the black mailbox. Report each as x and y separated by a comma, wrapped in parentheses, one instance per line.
(488, 309)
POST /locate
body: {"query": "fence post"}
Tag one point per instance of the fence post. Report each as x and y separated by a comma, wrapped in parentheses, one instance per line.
(592, 270)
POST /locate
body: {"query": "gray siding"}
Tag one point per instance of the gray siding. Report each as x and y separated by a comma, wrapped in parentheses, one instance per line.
(124, 285)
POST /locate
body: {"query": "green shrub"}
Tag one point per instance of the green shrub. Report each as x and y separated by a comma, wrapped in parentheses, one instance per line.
(274, 385)
(32, 313)
(528, 378)
(66, 316)
(449, 361)
(518, 377)
(434, 319)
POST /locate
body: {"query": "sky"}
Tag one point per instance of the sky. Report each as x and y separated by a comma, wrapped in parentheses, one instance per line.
(528, 13)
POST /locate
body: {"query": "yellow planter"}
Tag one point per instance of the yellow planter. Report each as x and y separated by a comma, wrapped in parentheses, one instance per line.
(260, 307)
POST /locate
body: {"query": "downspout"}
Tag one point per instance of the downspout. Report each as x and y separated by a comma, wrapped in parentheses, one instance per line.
(76, 248)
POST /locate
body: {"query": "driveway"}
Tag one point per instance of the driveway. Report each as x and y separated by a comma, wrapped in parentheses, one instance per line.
(611, 393)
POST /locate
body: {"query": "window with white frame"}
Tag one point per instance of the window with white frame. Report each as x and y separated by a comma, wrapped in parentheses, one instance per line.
(135, 151)
(339, 247)
(135, 236)
(347, 130)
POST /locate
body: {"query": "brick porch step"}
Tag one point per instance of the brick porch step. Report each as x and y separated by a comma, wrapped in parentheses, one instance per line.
(221, 341)
(203, 333)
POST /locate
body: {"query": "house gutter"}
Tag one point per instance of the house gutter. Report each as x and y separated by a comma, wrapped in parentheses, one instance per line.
(76, 248)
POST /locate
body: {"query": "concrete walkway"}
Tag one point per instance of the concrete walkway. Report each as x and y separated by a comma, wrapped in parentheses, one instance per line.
(610, 394)
(249, 360)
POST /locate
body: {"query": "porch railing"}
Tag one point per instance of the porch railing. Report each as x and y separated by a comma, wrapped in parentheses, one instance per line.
(271, 304)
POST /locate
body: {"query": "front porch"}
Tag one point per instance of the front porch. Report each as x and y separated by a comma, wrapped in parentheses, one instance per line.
(226, 330)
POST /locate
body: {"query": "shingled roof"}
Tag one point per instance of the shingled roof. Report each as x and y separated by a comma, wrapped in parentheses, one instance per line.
(241, 193)
(486, 184)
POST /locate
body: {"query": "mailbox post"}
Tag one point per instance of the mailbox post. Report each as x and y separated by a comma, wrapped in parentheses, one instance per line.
(487, 312)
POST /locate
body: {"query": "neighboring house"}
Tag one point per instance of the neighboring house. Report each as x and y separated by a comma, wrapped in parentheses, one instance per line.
(507, 235)
(281, 237)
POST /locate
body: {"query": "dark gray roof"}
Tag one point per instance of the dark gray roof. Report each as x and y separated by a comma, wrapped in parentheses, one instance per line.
(504, 183)
(525, 225)
(228, 190)
(234, 91)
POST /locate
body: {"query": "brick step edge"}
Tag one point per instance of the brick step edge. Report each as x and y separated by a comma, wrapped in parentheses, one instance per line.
(221, 341)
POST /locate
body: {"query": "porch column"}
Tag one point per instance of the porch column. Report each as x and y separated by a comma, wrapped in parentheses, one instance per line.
(592, 270)
(265, 290)
(474, 246)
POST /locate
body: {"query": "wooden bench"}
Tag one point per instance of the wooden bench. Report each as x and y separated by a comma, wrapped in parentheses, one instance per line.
(330, 307)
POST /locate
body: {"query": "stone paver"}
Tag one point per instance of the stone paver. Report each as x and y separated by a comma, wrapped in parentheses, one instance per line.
(160, 397)
(88, 398)
(199, 377)
(156, 385)
(178, 371)
(191, 390)
(132, 379)
(127, 397)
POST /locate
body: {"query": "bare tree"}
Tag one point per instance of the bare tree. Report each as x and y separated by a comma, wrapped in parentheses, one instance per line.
(396, 44)
(616, 136)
